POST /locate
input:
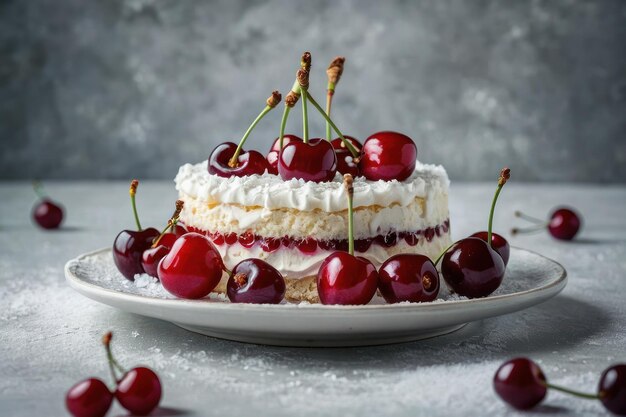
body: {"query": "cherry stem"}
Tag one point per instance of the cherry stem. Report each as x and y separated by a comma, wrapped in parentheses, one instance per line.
(347, 182)
(233, 161)
(171, 223)
(329, 100)
(572, 392)
(505, 174)
(38, 189)
(532, 229)
(346, 143)
(305, 117)
(527, 217)
(113, 364)
(334, 71)
(443, 253)
(132, 191)
(283, 123)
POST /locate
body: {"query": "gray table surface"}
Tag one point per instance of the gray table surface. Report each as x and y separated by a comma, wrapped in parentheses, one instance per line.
(50, 335)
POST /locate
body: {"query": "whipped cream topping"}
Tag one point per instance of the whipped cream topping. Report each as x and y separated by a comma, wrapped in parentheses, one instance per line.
(272, 192)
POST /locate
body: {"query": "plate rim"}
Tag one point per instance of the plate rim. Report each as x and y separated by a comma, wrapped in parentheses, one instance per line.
(85, 288)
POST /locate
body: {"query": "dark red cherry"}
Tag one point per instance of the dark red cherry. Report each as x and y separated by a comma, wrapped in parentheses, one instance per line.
(248, 163)
(272, 155)
(612, 389)
(151, 257)
(180, 229)
(139, 391)
(520, 383)
(88, 398)
(313, 161)
(192, 268)
(472, 268)
(498, 243)
(408, 277)
(128, 248)
(564, 224)
(388, 156)
(338, 143)
(345, 159)
(48, 214)
(255, 281)
(346, 279)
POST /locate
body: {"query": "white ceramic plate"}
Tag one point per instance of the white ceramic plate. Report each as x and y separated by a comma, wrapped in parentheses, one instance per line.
(530, 279)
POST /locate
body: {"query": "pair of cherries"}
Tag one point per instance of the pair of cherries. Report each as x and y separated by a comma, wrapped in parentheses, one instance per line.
(137, 390)
(521, 383)
(193, 268)
(384, 156)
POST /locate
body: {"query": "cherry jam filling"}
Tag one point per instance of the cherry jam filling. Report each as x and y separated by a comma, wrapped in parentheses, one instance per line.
(310, 245)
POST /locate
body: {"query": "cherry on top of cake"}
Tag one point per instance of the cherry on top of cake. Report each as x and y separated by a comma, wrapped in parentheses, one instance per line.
(383, 156)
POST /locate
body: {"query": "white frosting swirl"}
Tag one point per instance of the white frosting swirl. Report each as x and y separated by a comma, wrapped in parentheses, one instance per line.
(272, 192)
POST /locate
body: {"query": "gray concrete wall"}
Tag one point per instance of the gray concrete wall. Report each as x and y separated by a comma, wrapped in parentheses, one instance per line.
(134, 88)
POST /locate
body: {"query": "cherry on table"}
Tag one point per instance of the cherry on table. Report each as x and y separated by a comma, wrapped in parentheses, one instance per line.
(139, 391)
(408, 277)
(89, 398)
(612, 389)
(46, 213)
(314, 160)
(274, 152)
(192, 268)
(521, 383)
(564, 223)
(498, 243)
(255, 281)
(388, 156)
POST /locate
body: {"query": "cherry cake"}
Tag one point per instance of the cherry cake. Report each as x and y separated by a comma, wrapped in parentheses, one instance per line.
(295, 224)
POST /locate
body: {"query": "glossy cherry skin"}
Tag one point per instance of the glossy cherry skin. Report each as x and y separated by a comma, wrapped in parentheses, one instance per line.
(346, 279)
(498, 243)
(520, 383)
(139, 391)
(314, 161)
(88, 398)
(408, 277)
(48, 214)
(192, 268)
(472, 268)
(255, 281)
(564, 224)
(128, 248)
(388, 156)
(272, 155)
(345, 160)
(151, 257)
(612, 389)
(248, 163)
